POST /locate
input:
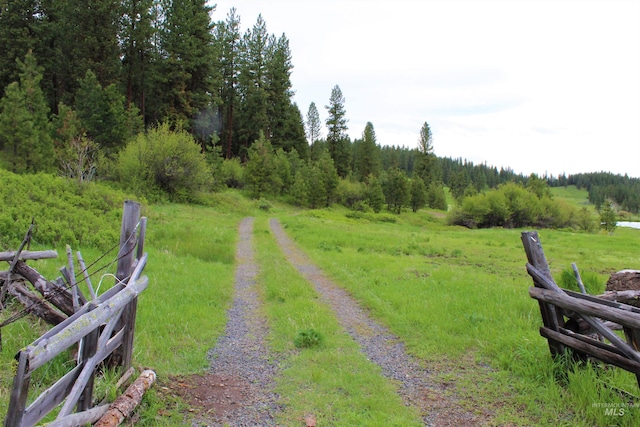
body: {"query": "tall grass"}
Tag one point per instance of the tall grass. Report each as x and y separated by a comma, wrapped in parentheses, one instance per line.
(460, 296)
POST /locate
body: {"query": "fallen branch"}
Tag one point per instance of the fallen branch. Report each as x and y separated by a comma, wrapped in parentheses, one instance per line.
(35, 305)
(28, 255)
(124, 405)
(61, 298)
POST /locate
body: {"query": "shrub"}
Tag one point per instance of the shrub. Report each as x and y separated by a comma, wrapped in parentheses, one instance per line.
(232, 173)
(350, 193)
(163, 163)
(63, 211)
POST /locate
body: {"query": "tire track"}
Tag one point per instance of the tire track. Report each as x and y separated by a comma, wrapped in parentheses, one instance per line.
(240, 361)
(418, 385)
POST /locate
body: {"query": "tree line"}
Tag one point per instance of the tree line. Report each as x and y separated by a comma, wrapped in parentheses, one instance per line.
(154, 96)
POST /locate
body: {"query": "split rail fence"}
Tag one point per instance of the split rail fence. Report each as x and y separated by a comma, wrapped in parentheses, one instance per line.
(580, 324)
(103, 327)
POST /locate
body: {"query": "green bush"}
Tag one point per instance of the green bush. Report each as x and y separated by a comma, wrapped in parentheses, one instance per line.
(350, 193)
(163, 163)
(63, 211)
(233, 173)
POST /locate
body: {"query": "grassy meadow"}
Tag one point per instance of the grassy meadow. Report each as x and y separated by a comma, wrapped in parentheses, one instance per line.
(457, 297)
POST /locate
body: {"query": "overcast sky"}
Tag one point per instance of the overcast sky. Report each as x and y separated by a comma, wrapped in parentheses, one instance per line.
(538, 86)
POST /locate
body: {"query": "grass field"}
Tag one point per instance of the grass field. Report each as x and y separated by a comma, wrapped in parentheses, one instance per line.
(457, 298)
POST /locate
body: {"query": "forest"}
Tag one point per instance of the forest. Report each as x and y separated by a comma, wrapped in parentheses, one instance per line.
(157, 98)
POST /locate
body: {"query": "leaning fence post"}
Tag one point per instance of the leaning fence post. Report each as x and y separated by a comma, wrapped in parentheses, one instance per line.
(552, 318)
(126, 256)
(18, 400)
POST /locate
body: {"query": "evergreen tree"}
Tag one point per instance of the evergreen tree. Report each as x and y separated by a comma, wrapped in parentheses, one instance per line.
(608, 217)
(279, 94)
(367, 154)
(137, 35)
(313, 124)
(20, 26)
(396, 190)
(328, 176)
(418, 194)
(254, 108)
(227, 35)
(427, 162)
(261, 175)
(294, 132)
(185, 84)
(300, 188)
(103, 114)
(337, 138)
(374, 194)
(25, 133)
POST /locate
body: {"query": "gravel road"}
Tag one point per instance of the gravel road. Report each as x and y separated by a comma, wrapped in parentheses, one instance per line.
(240, 362)
(238, 389)
(418, 385)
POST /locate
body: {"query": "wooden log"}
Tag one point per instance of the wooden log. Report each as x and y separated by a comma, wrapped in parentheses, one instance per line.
(124, 405)
(80, 419)
(28, 255)
(60, 298)
(35, 305)
(621, 296)
(593, 348)
(586, 309)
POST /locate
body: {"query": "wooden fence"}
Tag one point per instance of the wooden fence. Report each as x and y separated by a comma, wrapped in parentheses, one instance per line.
(103, 327)
(580, 324)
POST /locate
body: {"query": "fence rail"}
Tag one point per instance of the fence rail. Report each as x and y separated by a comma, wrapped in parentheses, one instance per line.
(580, 324)
(103, 327)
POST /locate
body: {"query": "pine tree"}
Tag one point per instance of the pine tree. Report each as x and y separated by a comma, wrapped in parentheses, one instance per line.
(227, 36)
(185, 84)
(418, 194)
(608, 217)
(337, 139)
(261, 169)
(367, 154)
(25, 131)
(279, 91)
(294, 132)
(20, 26)
(103, 114)
(254, 109)
(313, 124)
(137, 35)
(396, 190)
(426, 162)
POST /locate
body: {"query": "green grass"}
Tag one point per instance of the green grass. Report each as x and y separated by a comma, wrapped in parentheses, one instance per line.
(460, 296)
(457, 297)
(333, 380)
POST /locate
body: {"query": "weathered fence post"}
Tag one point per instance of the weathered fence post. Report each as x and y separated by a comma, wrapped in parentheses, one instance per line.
(126, 256)
(551, 318)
